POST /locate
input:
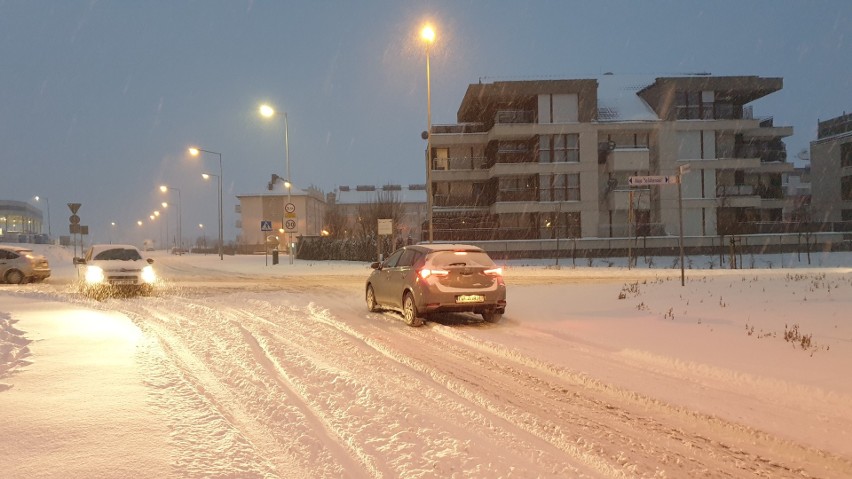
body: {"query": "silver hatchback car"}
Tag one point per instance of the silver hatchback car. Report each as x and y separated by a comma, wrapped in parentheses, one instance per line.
(19, 265)
(422, 279)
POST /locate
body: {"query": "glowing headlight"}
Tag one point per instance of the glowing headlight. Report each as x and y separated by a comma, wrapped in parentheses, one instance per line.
(94, 274)
(148, 275)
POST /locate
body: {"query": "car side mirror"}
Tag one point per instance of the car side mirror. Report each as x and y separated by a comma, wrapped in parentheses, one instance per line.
(376, 265)
(150, 260)
(79, 260)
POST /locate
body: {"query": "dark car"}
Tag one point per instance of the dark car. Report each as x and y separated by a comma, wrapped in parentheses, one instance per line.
(423, 279)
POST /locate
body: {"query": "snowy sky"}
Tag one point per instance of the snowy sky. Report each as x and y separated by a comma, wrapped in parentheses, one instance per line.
(101, 99)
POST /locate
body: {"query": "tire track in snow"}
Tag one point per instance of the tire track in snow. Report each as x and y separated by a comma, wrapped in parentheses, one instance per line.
(524, 446)
(620, 414)
(213, 389)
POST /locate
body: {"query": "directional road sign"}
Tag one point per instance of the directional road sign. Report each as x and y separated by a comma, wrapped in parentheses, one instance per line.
(652, 180)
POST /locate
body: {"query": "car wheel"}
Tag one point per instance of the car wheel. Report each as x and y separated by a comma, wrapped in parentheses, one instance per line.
(492, 316)
(14, 277)
(371, 300)
(409, 311)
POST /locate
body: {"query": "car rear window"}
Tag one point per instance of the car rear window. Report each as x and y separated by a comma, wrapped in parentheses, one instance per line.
(450, 259)
(118, 254)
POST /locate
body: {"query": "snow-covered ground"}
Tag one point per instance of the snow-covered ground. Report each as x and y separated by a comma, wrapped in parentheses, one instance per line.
(242, 369)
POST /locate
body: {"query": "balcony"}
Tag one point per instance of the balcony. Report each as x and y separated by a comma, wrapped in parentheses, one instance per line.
(619, 200)
(629, 159)
(737, 196)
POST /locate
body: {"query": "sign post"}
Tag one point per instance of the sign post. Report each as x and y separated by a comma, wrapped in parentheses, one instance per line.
(385, 228)
(74, 225)
(681, 171)
(667, 180)
(291, 225)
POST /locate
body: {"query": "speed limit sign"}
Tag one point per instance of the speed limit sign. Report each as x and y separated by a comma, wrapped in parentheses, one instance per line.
(290, 225)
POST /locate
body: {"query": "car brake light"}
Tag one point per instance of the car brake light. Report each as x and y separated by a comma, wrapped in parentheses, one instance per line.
(494, 271)
(425, 273)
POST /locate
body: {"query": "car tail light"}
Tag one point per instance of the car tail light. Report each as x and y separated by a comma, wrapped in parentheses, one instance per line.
(425, 272)
(494, 271)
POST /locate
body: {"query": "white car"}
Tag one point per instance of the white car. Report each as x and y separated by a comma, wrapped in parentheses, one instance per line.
(115, 269)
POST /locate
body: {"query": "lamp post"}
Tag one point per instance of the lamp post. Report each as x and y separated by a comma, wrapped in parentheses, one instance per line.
(155, 215)
(428, 36)
(268, 112)
(164, 189)
(195, 152)
(47, 201)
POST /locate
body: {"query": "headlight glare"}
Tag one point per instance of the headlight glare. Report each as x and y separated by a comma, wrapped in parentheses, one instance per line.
(148, 274)
(94, 274)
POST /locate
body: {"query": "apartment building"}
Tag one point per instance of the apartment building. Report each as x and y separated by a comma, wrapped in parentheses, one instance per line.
(554, 158)
(831, 167)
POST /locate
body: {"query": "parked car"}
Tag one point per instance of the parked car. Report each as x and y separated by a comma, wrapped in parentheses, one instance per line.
(20, 265)
(419, 280)
(109, 269)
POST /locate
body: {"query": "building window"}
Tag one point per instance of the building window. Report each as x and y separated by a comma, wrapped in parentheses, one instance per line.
(560, 187)
(517, 188)
(846, 188)
(694, 105)
(846, 155)
(559, 225)
(559, 148)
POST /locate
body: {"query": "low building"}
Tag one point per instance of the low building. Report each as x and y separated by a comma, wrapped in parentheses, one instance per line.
(20, 222)
(266, 221)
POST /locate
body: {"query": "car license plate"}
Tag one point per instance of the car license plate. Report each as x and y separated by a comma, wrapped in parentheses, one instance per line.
(123, 281)
(470, 298)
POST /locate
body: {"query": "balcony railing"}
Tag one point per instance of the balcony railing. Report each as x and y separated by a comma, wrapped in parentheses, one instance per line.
(517, 195)
(514, 116)
(515, 156)
(764, 192)
(723, 191)
(450, 201)
(766, 155)
(460, 128)
(460, 163)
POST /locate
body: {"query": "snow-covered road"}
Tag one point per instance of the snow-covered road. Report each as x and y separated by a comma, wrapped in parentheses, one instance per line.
(290, 376)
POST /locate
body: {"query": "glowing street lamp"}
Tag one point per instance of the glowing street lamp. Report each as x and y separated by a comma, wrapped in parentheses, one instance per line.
(428, 36)
(195, 152)
(47, 201)
(267, 111)
(165, 189)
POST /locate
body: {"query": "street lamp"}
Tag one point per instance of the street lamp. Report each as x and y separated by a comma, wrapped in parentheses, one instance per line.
(195, 152)
(428, 36)
(164, 189)
(267, 111)
(47, 201)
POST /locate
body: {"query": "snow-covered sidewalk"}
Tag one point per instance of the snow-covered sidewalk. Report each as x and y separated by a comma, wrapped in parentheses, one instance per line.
(81, 410)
